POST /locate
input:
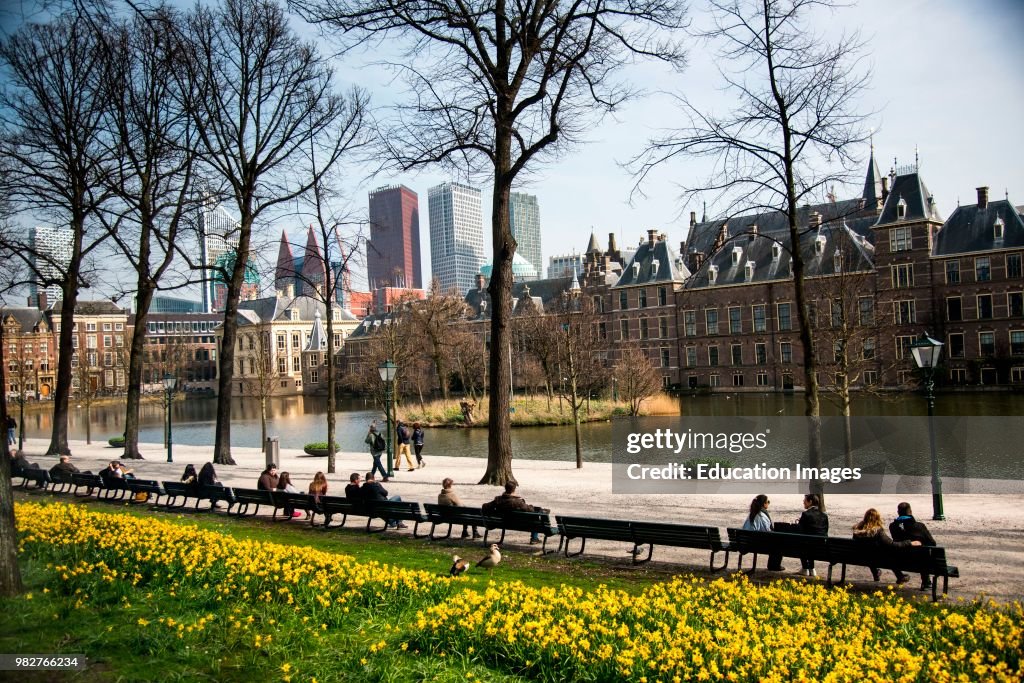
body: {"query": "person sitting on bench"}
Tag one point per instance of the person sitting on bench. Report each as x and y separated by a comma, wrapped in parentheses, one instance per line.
(870, 530)
(906, 528)
(510, 502)
(813, 522)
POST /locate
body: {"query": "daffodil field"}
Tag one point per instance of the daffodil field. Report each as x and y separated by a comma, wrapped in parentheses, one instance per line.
(247, 610)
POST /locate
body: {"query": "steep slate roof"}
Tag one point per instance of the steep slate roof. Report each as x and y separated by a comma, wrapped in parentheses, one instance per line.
(971, 229)
(543, 290)
(641, 268)
(92, 308)
(592, 246)
(370, 324)
(857, 253)
(27, 317)
(872, 182)
(920, 204)
(267, 309)
(317, 336)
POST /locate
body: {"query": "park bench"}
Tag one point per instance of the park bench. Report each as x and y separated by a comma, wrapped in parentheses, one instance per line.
(302, 502)
(804, 546)
(150, 487)
(339, 506)
(114, 489)
(61, 482)
(36, 475)
(543, 523)
(91, 482)
(245, 498)
(930, 561)
(679, 536)
(450, 515)
(398, 511)
(585, 528)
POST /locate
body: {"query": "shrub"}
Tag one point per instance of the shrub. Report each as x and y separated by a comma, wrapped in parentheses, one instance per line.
(116, 442)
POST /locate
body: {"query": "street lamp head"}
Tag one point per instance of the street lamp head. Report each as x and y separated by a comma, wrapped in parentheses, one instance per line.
(169, 381)
(926, 352)
(387, 370)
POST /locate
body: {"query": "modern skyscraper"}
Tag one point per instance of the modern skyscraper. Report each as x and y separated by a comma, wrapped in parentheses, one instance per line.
(219, 236)
(51, 254)
(393, 253)
(456, 235)
(524, 220)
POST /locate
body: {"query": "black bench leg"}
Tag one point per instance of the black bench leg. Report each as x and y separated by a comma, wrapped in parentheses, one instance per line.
(583, 544)
(416, 531)
(637, 552)
(724, 564)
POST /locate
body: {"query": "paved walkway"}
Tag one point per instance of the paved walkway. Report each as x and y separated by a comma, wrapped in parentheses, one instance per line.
(983, 532)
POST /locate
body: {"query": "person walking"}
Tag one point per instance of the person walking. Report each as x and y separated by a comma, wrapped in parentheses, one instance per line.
(12, 427)
(377, 447)
(417, 444)
(906, 528)
(402, 435)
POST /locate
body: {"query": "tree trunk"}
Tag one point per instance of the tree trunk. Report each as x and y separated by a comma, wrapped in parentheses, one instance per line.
(499, 435)
(263, 421)
(847, 428)
(135, 363)
(576, 430)
(225, 386)
(331, 399)
(10, 574)
(62, 395)
(88, 420)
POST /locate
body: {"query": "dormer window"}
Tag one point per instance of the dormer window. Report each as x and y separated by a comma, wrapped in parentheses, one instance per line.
(901, 208)
(654, 268)
(294, 314)
(636, 270)
(712, 274)
(819, 244)
(837, 261)
(737, 254)
(997, 228)
(749, 271)
(776, 251)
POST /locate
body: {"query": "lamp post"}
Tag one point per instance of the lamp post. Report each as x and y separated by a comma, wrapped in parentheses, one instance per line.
(615, 390)
(926, 355)
(169, 382)
(388, 370)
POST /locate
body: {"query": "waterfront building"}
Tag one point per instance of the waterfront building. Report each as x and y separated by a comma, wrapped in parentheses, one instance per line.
(393, 251)
(456, 235)
(182, 344)
(30, 353)
(524, 222)
(99, 346)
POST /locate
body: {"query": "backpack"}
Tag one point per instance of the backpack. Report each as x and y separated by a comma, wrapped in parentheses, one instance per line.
(378, 442)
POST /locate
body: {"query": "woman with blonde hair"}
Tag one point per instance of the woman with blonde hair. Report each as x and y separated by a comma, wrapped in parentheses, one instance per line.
(871, 530)
(317, 488)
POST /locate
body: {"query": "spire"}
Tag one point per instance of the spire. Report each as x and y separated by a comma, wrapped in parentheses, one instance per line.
(284, 275)
(872, 182)
(313, 270)
(575, 286)
(592, 247)
(317, 337)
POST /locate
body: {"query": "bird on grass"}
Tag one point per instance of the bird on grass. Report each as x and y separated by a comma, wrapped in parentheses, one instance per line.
(492, 559)
(459, 566)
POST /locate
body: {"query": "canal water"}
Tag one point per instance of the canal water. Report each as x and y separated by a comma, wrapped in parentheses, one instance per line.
(299, 420)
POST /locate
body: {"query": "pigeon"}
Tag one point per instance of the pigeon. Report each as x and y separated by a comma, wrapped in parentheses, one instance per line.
(491, 560)
(459, 566)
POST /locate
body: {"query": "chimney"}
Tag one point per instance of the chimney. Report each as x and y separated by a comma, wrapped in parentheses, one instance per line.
(651, 236)
(983, 197)
(612, 247)
(814, 219)
(693, 219)
(753, 231)
(41, 300)
(723, 235)
(289, 291)
(696, 259)
(885, 188)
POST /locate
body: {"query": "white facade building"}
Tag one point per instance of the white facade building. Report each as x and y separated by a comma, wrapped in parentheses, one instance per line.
(51, 255)
(524, 220)
(456, 235)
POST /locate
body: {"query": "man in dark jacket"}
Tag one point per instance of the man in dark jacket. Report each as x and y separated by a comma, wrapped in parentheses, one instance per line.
(510, 502)
(373, 491)
(906, 528)
(63, 470)
(813, 522)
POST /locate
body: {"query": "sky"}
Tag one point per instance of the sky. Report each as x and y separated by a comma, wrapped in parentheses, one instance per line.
(947, 83)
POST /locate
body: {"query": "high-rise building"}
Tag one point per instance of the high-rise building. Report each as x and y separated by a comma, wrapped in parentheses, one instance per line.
(393, 252)
(219, 236)
(51, 254)
(456, 235)
(524, 220)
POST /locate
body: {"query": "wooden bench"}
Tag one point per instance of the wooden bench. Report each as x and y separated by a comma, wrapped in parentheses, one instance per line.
(36, 475)
(930, 561)
(114, 489)
(543, 523)
(451, 515)
(302, 502)
(679, 536)
(396, 511)
(584, 528)
(61, 481)
(150, 487)
(91, 482)
(245, 498)
(338, 506)
(803, 546)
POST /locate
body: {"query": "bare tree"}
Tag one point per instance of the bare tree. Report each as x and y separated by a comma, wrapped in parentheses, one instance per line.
(87, 385)
(431, 320)
(53, 117)
(796, 118)
(255, 349)
(10, 573)
(636, 378)
(152, 182)
(262, 98)
(502, 87)
(578, 367)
